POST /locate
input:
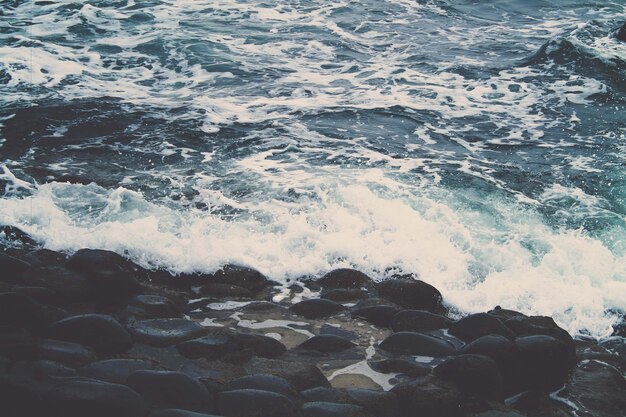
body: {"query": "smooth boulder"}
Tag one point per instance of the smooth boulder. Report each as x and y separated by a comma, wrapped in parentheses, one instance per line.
(345, 278)
(100, 332)
(254, 403)
(412, 343)
(412, 294)
(316, 308)
(474, 375)
(327, 343)
(379, 315)
(472, 327)
(328, 409)
(165, 332)
(418, 321)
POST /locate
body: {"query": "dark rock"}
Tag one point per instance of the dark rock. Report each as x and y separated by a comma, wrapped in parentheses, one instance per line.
(380, 315)
(227, 291)
(157, 306)
(544, 363)
(504, 314)
(411, 343)
(40, 295)
(345, 278)
(165, 332)
(316, 308)
(94, 399)
(110, 276)
(474, 375)
(472, 327)
(178, 413)
(167, 389)
(261, 345)
(241, 276)
(67, 353)
(621, 33)
(68, 285)
(399, 366)
(300, 374)
(418, 321)
(42, 369)
(115, 371)
(17, 343)
(12, 268)
(501, 350)
(270, 383)
(23, 397)
(539, 325)
(426, 398)
(212, 346)
(20, 310)
(327, 344)
(17, 235)
(338, 331)
(379, 403)
(45, 258)
(324, 394)
(340, 295)
(100, 332)
(254, 403)
(326, 409)
(597, 389)
(412, 294)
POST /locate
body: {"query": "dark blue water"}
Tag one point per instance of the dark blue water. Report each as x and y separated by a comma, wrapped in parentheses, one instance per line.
(479, 145)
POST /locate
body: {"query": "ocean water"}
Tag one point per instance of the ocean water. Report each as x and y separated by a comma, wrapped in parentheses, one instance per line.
(478, 145)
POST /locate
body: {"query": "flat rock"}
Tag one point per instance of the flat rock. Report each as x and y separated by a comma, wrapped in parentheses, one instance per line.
(412, 294)
(380, 315)
(115, 371)
(254, 403)
(474, 375)
(327, 344)
(327, 409)
(165, 332)
(168, 389)
(300, 374)
(412, 343)
(100, 332)
(345, 278)
(317, 308)
(418, 321)
(67, 353)
(262, 382)
(20, 310)
(94, 399)
(472, 327)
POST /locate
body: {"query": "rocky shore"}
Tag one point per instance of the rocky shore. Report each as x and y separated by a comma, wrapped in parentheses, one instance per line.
(94, 334)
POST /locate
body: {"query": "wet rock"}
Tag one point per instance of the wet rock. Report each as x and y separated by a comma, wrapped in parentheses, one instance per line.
(157, 306)
(68, 285)
(300, 374)
(597, 389)
(210, 347)
(269, 383)
(40, 295)
(501, 350)
(115, 371)
(345, 278)
(338, 331)
(544, 363)
(17, 343)
(165, 332)
(240, 276)
(539, 325)
(425, 398)
(100, 332)
(21, 396)
(20, 310)
(324, 394)
(12, 268)
(261, 345)
(254, 403)
(379, 403)
(168, 389)
(504, 314)
(621, 33)
(327, 409)
(380, 315)
(497, 413)
(178, 413)
(110, 276)
(225, 291)
(399, 366)
(418, 321)
(93, 399)
(316, 308)
(474, 375)
(42, 369)
(327, 344)
(45, 257)
(472, 327)
(412, 294)
(67, 353)
(412, 343)
(340, 295)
